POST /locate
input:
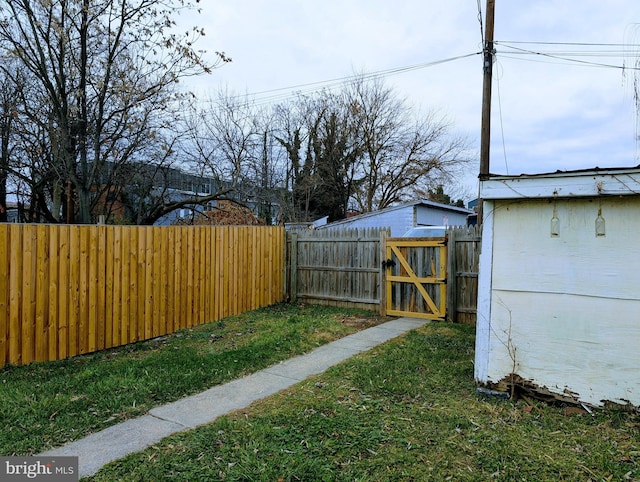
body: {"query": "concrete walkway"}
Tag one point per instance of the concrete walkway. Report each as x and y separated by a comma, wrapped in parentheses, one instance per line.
(115, 442)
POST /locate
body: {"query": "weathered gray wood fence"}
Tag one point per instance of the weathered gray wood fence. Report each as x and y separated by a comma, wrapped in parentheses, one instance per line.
(340, 267)
(462, 273)
(343, 267)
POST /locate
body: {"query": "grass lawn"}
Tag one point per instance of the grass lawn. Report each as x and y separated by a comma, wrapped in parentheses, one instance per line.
(407, 410)
(45, 405)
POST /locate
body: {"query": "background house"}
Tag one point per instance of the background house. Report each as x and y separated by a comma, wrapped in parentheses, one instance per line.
(405, 216)
(558, 296)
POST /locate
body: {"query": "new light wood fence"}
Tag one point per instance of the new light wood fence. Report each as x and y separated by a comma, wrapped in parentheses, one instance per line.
(68, 290)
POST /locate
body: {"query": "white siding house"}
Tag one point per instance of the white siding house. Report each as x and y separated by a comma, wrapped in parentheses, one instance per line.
(559, 287)
(406, 216)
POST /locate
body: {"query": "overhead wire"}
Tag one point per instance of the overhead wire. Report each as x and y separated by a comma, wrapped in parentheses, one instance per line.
(567, 53)
(582, 54)
(481, 22)
(507, 50)
(270, 96)
(568, 56)
(285, 93)
(504, 144)
(580, 44)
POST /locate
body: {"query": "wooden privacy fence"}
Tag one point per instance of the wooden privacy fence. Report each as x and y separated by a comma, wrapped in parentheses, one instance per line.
(67, 290)
(464, 260)
(343, 267)
(340, 267)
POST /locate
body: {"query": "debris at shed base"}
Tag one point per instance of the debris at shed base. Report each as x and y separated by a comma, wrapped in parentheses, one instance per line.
(487, 392)
(517, 387)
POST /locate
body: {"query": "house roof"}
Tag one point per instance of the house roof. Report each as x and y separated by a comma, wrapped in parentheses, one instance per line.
(618, 181)
(564, 173)
(422, 202)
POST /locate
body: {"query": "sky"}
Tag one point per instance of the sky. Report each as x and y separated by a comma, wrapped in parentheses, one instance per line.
(547, 113)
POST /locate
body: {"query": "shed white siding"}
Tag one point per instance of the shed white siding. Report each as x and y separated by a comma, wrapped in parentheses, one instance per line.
(562, 312)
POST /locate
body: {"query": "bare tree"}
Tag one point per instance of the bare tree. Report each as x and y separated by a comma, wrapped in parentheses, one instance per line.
(8, 119)
(290, 133)
(107, 72)
(632, 65)
(323, 151)
(404, 154)
(364, 147)
(24, 155)
(269, 172)
(232, 140)
(318, 155)
(229, 126)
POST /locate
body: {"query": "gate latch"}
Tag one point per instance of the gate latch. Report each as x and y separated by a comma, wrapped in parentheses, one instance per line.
(388, 264)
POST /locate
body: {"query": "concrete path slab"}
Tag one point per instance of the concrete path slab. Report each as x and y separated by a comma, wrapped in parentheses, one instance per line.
(354, 343)
(100, 448)
(205, 407)
(135, 435)
(312, 363)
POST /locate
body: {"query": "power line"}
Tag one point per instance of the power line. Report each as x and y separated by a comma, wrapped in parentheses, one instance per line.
(560, 57)
(481, 22)
(504, 145)
(284, 93)
(584, 44)
(566, 56)
(560, 61)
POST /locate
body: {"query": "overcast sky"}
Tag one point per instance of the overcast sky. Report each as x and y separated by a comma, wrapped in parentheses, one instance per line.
(547, 113)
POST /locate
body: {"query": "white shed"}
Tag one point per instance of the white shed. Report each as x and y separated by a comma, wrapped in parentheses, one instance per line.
(403, 217)
(559, 286)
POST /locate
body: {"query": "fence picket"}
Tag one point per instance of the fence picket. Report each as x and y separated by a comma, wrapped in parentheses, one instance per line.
(28, 294)
(41, 291)
(124, 285)
(64, 294)
(83, 289)
(4, 296)
(54, 294)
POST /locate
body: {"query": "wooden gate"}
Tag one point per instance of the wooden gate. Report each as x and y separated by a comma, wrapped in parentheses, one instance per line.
(416, 277)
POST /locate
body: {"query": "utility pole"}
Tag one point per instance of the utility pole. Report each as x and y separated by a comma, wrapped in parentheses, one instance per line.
(485, 132)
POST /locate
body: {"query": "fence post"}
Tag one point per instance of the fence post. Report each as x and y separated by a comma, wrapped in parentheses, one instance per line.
(383, 273)
(294, 268)
(451, 274)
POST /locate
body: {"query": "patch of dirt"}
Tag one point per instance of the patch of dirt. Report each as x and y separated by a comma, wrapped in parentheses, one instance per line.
(362, 323)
